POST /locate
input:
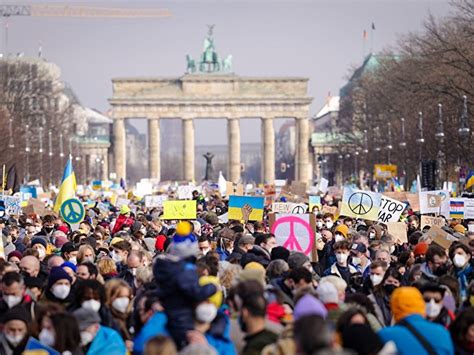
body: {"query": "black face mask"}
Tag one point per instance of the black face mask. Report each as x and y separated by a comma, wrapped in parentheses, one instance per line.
(48, 229)
(441, 270)
(243, 326)
(419, 260)
(389, 289)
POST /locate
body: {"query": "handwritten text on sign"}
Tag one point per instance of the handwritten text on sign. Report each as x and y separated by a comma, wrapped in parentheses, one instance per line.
(390, 210)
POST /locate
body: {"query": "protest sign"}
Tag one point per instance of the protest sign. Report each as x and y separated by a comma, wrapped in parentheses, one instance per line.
(360, 204)
(456, 208)
(289, 207)
(144, 188)
(432, 221)
(96, 185)
(330, 209)
(122, 201)
(398, 230)
(390, 210)
(28, 192)
(385, 171)
(235, 189)
(236, 203)
(441, 237)
(155, 200)
(413, 201)
(434, 202)
(12, 205)
(269, 190)
(185, 192)
(323, 185)
(295, 232)
(298, 188)
(35, 206)
(468, 208)
(314, 201)
(185, 209)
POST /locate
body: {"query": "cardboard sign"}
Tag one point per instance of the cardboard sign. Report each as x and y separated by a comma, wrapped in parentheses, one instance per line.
(290, 208)
(360, 204)
(36, 206)
(432, 221)
(298, 188)
(185, 209)
(235, 189)
(436, 202)
(440, 237)
(323, 185)
(398, 230)
(155, 200)
(390, 210)
(330, 209)
(295, 232)
(413, 201)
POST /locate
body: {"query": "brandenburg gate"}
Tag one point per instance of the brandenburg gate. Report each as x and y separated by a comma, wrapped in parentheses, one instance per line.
(216, 94)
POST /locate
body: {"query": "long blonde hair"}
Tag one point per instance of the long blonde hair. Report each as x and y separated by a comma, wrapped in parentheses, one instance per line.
(113, 288)
(81, 252)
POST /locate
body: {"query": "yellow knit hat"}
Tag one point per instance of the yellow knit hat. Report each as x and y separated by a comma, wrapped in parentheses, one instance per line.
(124, 209)
(460, 228)
(253, 265)
(406, 301)
(216, 298)
(343, 229)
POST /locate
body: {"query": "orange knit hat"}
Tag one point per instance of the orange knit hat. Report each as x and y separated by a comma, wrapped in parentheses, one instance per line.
(406, 301)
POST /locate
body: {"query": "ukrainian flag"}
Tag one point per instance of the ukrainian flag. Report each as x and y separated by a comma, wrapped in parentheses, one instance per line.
(237, 202)
(67, 189)
(470, 179)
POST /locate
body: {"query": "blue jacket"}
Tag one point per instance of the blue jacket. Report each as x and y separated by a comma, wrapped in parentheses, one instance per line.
(407, 343)
(107, 341)
(218, 336)
(179, 292)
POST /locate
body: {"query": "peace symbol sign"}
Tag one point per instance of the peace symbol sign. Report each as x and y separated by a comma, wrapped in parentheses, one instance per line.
(298, 210)
(360, 203)
(284, 227)
(72, 211)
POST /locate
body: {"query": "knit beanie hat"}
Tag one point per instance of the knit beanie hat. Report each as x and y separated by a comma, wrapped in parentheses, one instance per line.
(309, 306)
(297, 259)
(406, 301)
(216, 298)
(39, 240)
(124, 209)
(280, 252)
(343, 229)
(327, 293)
(184, 243)
(69, 265)
(253, 265)
(460, 228)
(57, 273)
(253, 274)
(16, 313)
(86, 317)
(420, 249)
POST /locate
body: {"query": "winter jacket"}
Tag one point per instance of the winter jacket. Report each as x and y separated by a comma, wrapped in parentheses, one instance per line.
(257, 254)
(334, 270)
(107, 341)
(156, 325)
(179, 291)
(408, 344)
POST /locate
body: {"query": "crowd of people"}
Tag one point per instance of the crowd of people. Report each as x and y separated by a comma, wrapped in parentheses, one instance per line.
(126, 281)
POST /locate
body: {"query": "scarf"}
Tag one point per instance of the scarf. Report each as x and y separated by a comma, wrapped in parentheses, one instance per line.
(462, 276)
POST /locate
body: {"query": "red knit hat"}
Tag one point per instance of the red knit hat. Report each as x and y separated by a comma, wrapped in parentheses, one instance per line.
(420, 249)
(63, 228)
(160, 243)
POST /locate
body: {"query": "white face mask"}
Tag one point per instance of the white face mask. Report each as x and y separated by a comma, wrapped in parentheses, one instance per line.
(206, 312)
(41, 253)
(73, 260)
(339, 238)
(205, 251)
(392, 249)
(86, 338)
(93, 305)
(319, 224)
(329, 225)
(341, 258)
(47, 337)
(376, 279)
(89, 259)
(134, 271)
(459, 260)
(372, 235)
(433, 309)
(14, 339)
(61, 291)
(116, 257)
(12, 300)
(356, 261)
(121, 304)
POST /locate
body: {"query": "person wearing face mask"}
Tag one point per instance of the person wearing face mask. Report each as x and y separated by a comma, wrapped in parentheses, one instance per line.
(341, 233)
(359, 257)
(261, 251)
(40, 245)
(119, 254)
(435, 264)
(460, 256)
(375, 276)
(319, 222)
(59, 287)
(118, 294)
(15, 333)
(341, 267)
(204, 245)
(48, 228)
(328, 221)
(433, 295)
(97, 339)
(13, 293)
(382, 293)
(128, 274)
(69, 252)
(60, 331)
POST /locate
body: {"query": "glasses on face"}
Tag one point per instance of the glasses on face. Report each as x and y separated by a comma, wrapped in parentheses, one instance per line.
(436, 299)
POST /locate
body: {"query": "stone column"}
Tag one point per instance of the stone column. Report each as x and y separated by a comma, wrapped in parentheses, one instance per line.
(188, 149)
(105, 165)
(302, 141)
(119, 148)
(268, 163)
(233, 136)
(154, 148)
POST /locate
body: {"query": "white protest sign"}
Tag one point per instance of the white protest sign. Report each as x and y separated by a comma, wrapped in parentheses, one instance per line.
(289, 208)
(432, 221)
(436, 202)
(185, 192)
(12, 205)
(468, 208)
(323, 185)
(390, 210)
(155, 201)
(144, 188)
(122, 201)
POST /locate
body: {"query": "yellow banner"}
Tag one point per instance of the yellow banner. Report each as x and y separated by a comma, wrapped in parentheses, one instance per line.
(385, 171)
(185, 209)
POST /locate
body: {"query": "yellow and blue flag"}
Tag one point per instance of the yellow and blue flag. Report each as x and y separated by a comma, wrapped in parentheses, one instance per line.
(237, 202)
(67, 189)
(470, 179)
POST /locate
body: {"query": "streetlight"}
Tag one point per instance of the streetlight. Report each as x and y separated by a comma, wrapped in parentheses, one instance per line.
(389, 143)
(439, 135)
(27, 150)
(50, 154)
(40, 133)
(464, 133)
(403, 145)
